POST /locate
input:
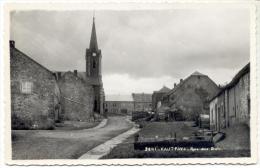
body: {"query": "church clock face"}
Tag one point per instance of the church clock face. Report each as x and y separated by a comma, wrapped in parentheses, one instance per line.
(94, 54)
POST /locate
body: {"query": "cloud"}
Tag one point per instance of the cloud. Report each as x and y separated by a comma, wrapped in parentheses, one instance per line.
(124, 84)
(139, 45)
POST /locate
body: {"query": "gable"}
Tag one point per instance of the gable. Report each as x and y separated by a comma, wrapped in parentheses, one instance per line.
(20, 62)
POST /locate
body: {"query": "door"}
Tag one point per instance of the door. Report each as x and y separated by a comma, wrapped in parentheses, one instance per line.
(216, 116)
(57, 112)
(218, 119)
(95, 106)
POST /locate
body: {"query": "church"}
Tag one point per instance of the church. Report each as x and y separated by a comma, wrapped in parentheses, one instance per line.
(88, 96)
(40, 97)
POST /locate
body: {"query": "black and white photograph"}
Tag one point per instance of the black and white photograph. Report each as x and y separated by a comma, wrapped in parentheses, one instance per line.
(104, 84)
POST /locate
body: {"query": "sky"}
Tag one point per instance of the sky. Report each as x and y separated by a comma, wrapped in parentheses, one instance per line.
(141, 50)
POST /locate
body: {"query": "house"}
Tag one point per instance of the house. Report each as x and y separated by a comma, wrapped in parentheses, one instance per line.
(157, 97)
(119, 104)
(35, 95)
(142, 102)
(231, 105)
(39, 97)
(190, 98)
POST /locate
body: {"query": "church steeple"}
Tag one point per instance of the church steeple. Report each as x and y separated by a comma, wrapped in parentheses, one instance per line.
(93, 55)
(93, 45)
(93, 71)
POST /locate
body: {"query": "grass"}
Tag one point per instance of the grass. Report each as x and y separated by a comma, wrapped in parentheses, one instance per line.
(27, 145)
(50, 148)
(164, 129)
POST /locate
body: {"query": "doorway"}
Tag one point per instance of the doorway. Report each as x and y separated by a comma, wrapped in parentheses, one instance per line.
(95, 106)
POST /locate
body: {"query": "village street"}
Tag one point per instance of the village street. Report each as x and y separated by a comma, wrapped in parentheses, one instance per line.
(94, 96)
(58, 144)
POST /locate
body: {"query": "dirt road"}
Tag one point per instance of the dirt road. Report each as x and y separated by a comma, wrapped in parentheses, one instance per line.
(61, 144)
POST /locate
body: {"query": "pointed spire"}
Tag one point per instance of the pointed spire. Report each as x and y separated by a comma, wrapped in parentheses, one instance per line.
(93, 45)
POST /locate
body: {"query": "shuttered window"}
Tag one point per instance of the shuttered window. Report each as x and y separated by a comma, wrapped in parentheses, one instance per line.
(26, 87)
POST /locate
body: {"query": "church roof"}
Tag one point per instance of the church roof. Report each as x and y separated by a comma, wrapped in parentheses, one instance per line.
(196, 73)
(93, 45)
(119, 97)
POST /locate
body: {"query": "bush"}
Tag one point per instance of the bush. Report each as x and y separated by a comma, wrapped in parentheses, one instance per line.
(136, 115)
(45, 124)
(19, 123)
(38, 122)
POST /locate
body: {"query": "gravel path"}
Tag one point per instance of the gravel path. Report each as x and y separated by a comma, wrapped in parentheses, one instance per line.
(112, 124)
(65, 144)
(237, 138)
(105, 148)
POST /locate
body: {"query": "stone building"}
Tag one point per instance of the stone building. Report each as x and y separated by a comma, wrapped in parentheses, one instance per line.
(142, 102)
(84, 90)
(35, 96)
(76, 97)
(231, 104)
(93, 74)
(157, 97)
(190, 98)
(119, 104)
(40, 97)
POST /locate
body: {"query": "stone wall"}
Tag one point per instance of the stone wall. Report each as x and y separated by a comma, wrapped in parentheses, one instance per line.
(142, 101)
(232, 105)
(77, 98)
(119, 107)
(33, 94)
(243, 101)
(218, 113)
(191, 96)
(142, 106)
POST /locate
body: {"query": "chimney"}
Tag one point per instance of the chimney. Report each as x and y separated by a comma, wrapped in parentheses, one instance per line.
(181, 80)
(175, 85)
(12, 43)
(75, 72)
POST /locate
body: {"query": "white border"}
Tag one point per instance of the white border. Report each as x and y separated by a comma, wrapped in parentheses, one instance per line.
(133, 5)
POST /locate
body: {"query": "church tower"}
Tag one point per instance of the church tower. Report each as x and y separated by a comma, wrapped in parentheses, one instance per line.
(93, 70)
(93, 55)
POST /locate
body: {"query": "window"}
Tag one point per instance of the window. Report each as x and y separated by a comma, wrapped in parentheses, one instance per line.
(172, 97)
(26, 87)
(94, 54)
(94, 64)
